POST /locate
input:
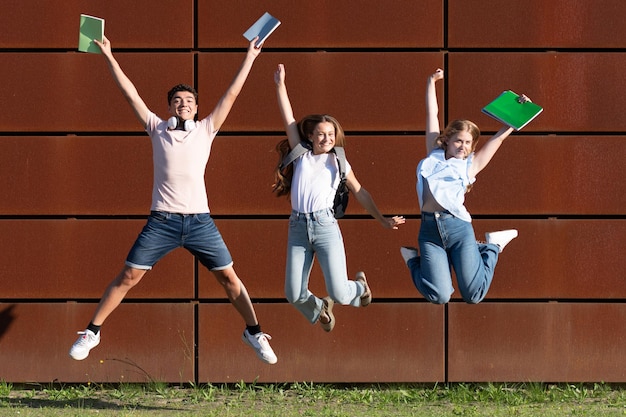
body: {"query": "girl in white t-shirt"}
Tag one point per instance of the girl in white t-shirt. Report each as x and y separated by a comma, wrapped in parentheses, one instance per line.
(312, 181)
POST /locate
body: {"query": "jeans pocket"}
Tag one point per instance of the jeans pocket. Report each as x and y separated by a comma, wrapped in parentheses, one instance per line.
(203, 218)
(326, 220)
(158, 216)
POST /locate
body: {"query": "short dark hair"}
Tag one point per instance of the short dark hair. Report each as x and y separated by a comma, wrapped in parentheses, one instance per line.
(181, 87)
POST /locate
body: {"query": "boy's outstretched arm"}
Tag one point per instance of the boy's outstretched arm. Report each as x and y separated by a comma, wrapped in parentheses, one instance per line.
(123, 82)
(223, 107)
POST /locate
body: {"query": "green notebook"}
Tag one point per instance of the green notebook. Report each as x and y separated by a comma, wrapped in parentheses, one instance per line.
(90, 28)
(507, 109)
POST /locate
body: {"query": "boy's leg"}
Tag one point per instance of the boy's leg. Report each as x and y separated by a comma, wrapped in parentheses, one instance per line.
(159, 236)
(237, 294)
(115, 293)
(206, 243)
(113, 296)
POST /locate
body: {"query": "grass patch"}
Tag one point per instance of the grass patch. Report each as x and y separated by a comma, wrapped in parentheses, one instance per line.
(307, 399)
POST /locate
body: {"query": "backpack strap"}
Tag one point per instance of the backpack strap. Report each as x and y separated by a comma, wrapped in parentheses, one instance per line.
(302, 148)
(299, 150)
(341, 160)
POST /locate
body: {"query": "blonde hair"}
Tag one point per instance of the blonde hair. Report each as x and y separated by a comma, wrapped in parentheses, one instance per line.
(456, 126)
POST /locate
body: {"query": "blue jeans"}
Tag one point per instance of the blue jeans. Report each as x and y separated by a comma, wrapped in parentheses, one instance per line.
(165, 232)
(312, 234)
(445, 241)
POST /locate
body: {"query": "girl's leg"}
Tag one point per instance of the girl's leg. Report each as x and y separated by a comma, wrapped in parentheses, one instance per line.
(300, 257)
(473, 263)
(431, 270)
(330, 250)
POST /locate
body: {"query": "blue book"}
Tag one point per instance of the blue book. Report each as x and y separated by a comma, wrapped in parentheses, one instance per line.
(262, 28)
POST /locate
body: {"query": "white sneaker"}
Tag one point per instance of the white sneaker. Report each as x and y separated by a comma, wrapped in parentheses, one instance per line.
(87, 341)
(501, 238)
(259, 342)
(408, 253)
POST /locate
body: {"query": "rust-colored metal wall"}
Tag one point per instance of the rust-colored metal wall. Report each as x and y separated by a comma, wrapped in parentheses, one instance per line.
(76, 186)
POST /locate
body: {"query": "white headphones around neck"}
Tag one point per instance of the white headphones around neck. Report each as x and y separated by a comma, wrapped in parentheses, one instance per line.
(175, 122)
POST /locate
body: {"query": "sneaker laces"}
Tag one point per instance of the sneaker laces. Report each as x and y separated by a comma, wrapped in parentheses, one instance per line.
(85, 338)
(262, 339)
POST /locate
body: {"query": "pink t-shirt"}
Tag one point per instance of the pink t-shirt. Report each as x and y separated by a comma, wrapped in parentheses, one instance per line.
(179, 160)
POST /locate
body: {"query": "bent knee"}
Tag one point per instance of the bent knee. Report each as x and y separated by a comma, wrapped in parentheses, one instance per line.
(343, 300)
(295, 298)
(226, 277)
(438, 298)
(130, 277)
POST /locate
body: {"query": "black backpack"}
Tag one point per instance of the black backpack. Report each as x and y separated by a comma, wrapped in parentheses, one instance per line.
(341, 196)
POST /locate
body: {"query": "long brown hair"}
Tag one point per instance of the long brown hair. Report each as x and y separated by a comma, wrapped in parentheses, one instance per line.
(306, 126)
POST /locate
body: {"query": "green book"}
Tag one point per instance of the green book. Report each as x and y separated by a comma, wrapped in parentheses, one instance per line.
(90, 28)
(508, 109)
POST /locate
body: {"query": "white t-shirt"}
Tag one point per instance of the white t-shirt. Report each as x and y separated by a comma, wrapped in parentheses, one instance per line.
(179, 160)
(315, 181)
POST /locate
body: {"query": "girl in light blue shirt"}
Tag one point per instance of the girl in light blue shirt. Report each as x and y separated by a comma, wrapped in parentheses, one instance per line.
(446, 237)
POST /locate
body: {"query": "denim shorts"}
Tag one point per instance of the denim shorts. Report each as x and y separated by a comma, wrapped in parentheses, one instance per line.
(165, 232)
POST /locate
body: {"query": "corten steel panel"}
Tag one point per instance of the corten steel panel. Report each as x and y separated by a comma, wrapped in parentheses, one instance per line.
(381, 91)
(566, 85)
(76, 175)
(536, 24)
(246, 165)
(259, 247)
(325, 24)
(113, 175)
(74, 92)
(140, 343)
(550, 259)
(537, 342)
(408, 347)
(559, 259)
(76, 259)
(552, 175)
(135, 24)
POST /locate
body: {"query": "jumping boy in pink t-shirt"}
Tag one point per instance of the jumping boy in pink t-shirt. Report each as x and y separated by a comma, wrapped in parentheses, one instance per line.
(181, 148)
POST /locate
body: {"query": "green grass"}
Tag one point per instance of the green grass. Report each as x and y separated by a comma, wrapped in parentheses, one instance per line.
(308, 399)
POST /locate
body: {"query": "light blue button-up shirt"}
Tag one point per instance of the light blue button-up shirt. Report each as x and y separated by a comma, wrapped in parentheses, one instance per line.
(448, 180)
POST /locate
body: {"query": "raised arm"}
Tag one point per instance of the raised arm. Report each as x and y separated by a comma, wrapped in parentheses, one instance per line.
(223, 107)
(483, 156)
(284, 106)
(365, 199)
(488, 150)
(432, 110)
(123, 82)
